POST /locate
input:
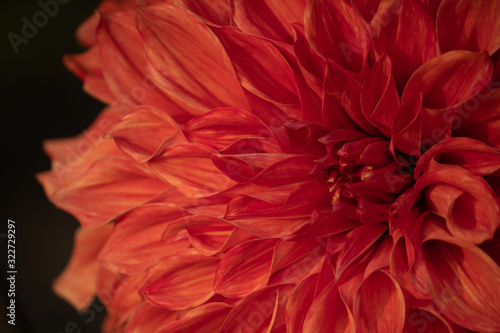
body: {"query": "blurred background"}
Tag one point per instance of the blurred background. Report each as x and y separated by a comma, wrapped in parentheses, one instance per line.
(40, 99)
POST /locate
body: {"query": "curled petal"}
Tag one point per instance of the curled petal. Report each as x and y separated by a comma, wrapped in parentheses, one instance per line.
(470, 205)
(469, 154)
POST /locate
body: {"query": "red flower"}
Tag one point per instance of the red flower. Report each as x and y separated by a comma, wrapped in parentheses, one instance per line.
(287, 166)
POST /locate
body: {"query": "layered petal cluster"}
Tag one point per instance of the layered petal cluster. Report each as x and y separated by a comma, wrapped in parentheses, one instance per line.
(286, 166)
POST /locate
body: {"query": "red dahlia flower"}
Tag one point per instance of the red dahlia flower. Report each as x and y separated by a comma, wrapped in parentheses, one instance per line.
(287, 166)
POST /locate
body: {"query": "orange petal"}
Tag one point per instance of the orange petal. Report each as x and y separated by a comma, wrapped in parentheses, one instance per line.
(124, 65)
(136, 243)
(261, 311)
(189, 62)
(149, 318)
(77, 284)
(213, 12)
(245, 268)
(87, 67)
(111, 186)
(269, 19)
(205, 318)
(260, 67)
(207, 234)
(180, 281)
(221, 127)
(141, 132)
(119, 293)
(189, 169)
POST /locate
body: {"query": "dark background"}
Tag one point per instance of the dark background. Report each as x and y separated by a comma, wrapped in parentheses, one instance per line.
(39, 99)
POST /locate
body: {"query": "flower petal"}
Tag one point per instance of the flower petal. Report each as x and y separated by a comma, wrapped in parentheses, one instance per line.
(189, 169)
(379, 98)
(473, 214)
(267, 18)
(319, 317)
(207, 234)
(88, 68)
(357, 243)
(209, 11)
(205, 318)
(260, 67)
(189, 62)
(464, 283)
(336, 31)
(468, 25)
(124, 65)
(469, 154)
(408, 43)
(111, 186)
(150, 318)
(300, 299)
(449, 79)
(77, 284)
(236, 277)
(379, 305)
(261, 311)
(221, 127)
(135, 242)
(180, 281)
(141, 132)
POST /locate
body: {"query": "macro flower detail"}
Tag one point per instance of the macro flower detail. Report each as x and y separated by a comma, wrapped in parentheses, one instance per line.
(286, 166)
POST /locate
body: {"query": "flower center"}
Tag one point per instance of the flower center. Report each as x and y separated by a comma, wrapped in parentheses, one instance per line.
(362, 175)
